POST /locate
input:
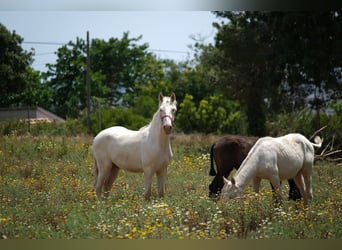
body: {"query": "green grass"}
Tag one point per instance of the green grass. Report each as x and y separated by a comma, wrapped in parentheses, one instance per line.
(46, 191)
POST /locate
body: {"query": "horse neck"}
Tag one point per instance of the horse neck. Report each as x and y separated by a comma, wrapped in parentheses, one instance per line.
(156, 133)
(246, 172)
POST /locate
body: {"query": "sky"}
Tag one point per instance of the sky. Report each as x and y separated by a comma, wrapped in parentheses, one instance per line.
(168, 33)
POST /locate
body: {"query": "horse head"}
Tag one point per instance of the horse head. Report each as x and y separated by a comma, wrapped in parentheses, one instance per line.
(232, 190)
(167, 111)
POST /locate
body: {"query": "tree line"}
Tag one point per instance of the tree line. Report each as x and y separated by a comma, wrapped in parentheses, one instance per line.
(266, 73)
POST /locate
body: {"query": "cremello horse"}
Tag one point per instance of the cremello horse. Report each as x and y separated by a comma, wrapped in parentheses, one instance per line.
(276, 159)
(147, 150)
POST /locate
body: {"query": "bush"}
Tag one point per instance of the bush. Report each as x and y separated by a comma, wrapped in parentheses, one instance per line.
(70, 127)
(307, 123)
(215, 114)
(120, 116)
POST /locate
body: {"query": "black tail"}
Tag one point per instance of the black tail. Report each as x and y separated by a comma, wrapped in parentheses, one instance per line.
(212, 170)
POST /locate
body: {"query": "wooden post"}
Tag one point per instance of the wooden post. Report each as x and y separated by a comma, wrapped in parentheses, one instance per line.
(28, 120)
(88, 85)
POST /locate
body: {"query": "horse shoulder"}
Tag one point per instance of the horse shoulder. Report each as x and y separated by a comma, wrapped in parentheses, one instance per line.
(156, 157)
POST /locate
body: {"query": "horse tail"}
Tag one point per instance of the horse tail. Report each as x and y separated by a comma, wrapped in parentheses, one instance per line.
(318, 142)
(212, 170)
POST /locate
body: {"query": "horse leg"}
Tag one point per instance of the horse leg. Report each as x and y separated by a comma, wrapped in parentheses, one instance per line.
(101, 172)
(294, 193)
(161, 176)
(110, 179)
(300, 184)
(148, 182)
(216, 186)
(256, 184)
(276, 184)
(307, 174)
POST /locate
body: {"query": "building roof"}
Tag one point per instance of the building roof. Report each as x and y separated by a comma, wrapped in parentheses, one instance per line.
(35, 114)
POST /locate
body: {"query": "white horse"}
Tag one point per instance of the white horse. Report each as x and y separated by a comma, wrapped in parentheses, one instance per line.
(276, 159)
(147, 150)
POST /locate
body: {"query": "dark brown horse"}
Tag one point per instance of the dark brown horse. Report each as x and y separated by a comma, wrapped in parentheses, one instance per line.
(228, 153)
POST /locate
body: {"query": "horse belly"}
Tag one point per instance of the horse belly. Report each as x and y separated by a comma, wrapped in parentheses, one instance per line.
(288, 167)
(127, 156)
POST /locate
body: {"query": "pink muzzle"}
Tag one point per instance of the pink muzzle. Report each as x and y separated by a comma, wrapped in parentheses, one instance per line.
(167, 128)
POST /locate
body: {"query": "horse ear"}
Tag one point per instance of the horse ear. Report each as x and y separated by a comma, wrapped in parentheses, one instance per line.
(173, 97)
(233, 181)
(225, 180)
(161, 97)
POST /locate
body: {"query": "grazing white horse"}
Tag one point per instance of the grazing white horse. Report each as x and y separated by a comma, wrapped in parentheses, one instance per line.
(147, 150)
(276, 159)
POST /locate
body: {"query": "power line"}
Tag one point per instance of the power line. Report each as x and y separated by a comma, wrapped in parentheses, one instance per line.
(44, 43)
(153, 50)
(168, 51)
(44, 54)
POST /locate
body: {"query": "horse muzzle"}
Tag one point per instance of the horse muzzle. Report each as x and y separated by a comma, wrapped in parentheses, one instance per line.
(167, 121)
(167, 129)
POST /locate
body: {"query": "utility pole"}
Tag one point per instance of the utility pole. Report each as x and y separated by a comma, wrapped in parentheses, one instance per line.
(88, 85)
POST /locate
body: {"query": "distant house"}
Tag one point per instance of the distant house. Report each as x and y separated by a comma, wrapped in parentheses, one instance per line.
(35, 114)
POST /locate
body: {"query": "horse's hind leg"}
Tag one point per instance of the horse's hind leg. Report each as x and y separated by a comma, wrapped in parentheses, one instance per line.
(294, 193)
(110, 179)
(300, 184)
(307, 175)
(101, 172)
(216, 186)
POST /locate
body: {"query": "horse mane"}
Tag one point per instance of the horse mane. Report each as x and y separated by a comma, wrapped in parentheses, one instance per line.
(251, 153)
(150, 123)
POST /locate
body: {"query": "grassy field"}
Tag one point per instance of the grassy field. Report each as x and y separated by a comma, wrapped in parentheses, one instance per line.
(46, 191)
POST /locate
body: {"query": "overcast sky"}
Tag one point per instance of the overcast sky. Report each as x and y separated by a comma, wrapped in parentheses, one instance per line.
(168, 33)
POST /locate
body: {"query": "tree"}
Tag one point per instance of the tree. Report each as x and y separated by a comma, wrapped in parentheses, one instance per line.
(120, 68)
(264, 58)
(124, 65)
(186, 117)
(15, 71)
(66, 79)
(214, 114)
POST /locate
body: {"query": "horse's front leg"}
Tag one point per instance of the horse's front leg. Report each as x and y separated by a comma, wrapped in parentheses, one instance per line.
(148, 183)
(275, 182)
(161, 176)
(256, 184)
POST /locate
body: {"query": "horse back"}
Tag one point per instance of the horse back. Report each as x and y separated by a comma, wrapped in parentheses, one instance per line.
(289, 153)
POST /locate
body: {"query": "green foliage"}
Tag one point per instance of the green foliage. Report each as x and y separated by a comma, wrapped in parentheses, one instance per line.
(15, 72)
(120, 116)
(261, 68)
(186, 117)
(122, 64)
(47, 192)
(214, 114)
(66, 80)
(120, 70)
(337, 108)
(19, 128)
(271, 57)
(306, 123)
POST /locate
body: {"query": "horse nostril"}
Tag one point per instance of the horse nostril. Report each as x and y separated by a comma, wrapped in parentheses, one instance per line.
(167, 129)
